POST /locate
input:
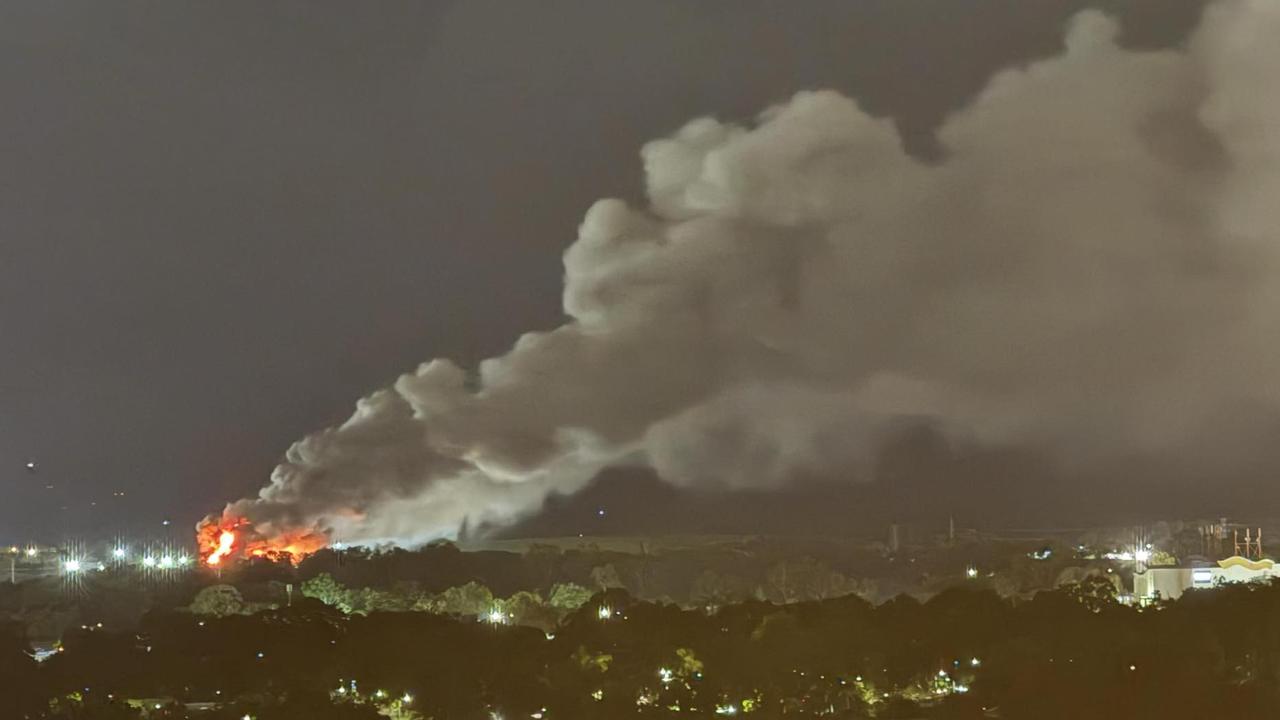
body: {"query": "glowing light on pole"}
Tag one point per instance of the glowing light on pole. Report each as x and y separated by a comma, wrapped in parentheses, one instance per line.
(71, 566)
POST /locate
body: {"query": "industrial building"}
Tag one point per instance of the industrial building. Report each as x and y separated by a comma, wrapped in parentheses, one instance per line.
(1170, 583)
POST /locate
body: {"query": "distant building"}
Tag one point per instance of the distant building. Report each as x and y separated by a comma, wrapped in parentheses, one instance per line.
(1170, 582)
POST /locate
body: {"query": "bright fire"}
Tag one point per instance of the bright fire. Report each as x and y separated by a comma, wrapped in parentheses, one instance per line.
(222, 540)
(226, 541)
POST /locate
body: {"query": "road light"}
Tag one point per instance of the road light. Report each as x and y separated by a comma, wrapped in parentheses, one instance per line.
(71, 566)
(149, 561)
(1142, 555)
(118, 552)
(166, 562)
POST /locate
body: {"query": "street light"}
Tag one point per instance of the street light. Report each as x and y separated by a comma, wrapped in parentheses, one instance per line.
(71, 566)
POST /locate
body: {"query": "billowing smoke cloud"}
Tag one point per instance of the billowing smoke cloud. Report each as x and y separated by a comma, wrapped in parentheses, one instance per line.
(1090, 269)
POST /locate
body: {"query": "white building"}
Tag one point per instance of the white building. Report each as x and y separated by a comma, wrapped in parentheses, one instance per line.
(1170, 582)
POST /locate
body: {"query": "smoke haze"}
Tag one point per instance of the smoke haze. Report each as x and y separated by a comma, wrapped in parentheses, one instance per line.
(1088, 270)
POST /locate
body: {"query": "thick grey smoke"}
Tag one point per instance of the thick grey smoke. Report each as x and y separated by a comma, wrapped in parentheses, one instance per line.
(1091, 269)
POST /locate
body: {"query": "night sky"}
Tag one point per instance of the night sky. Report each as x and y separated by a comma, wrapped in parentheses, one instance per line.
(221, 223)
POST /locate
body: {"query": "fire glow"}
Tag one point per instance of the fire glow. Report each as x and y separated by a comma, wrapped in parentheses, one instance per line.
(225, 540)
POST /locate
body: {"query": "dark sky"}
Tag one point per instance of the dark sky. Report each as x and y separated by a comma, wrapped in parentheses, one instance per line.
(221, 223)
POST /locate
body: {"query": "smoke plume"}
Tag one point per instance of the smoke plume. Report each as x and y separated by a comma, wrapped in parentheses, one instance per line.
(1090, 269)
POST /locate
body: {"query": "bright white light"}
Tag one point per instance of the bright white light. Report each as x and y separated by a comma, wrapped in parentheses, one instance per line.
(497, 617)
(118, 552)
(407, 698)
(971, 572)
(962, 688)
(71, 566)
(149, 561)
(166, 562)
(605, 612)
(726, 710)
(184, 560)
(31, 552)
(1142, 555)
(665, 675)
(975, 662)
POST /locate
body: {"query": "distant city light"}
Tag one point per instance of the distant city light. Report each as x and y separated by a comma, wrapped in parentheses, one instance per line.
(118, 552)
(166, 562)
(971, 572)
(407, 698)
(497, 617)
(1142, 555)
(31, 552)
(71, 566)
(975, 662)
(149, 561)
(605, 612)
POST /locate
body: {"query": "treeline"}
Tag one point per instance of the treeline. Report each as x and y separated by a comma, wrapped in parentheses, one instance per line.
(965, 653)
(709, 574)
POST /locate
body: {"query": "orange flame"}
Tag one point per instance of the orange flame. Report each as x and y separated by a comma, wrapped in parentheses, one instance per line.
(226, 541)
